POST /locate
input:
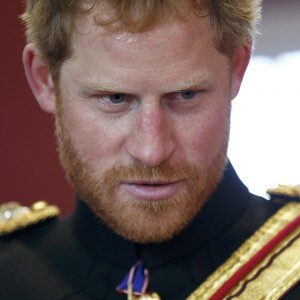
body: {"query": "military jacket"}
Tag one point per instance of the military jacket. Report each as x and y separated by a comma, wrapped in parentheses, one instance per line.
(79, 258)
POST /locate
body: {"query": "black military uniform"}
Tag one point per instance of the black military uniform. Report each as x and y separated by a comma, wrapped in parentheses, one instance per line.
(79, 258)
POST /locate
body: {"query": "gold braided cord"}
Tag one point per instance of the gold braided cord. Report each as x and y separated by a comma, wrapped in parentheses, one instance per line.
(275, 275)
(260, 238)
(285, 190)
(39, 212)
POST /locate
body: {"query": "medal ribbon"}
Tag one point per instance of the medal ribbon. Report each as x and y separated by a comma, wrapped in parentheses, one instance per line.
(136, 281)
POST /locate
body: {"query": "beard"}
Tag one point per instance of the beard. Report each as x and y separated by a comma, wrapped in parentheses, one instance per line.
(138, 220)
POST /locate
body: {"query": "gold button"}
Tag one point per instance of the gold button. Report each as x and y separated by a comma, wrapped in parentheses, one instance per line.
(40, 205)
(152, 296)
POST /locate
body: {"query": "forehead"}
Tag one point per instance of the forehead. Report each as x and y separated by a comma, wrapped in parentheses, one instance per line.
(169, 33)
(173, 52)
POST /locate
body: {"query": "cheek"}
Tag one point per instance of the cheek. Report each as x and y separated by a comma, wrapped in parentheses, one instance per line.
(99, 144)
(92, 137)
(207, 137)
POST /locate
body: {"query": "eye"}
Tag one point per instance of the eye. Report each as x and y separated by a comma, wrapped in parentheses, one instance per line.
(117, 98)
(187, 94)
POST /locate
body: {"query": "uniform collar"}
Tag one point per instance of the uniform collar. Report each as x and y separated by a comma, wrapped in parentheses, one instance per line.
(226, 203)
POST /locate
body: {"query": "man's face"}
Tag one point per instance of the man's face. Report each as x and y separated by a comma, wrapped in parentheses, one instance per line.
(142, 123)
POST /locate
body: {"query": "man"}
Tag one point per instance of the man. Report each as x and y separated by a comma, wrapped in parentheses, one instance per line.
(141, 93)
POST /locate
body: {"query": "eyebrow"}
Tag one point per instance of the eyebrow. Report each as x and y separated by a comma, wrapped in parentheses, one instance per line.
(96, 86)
(200, 80)
(195, 82)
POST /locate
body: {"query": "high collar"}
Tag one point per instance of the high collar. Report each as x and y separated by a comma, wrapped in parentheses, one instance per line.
(228, 200)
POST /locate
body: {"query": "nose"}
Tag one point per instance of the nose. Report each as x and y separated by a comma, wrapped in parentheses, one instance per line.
(151, 139)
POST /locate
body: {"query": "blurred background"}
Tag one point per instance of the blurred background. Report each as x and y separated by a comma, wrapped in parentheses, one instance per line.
(264, 144)
(265, 137)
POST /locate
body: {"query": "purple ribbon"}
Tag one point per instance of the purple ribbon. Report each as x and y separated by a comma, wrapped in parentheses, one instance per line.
(138, 278)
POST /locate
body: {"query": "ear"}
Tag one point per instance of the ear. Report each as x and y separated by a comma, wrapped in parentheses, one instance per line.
(39, 78)
(240, 60)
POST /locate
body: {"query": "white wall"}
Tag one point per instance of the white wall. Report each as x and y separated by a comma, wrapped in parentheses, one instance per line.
(265, 136)
(280, 27)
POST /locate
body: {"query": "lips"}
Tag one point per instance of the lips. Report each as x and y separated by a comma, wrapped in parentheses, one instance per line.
(152, 191)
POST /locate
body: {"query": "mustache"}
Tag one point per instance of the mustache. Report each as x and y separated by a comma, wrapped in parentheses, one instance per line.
(137, 171)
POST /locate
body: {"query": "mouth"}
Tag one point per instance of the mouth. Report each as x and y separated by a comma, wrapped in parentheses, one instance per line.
(152, 190)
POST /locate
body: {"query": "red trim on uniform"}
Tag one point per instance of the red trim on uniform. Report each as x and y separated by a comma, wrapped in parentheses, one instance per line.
(255, 260)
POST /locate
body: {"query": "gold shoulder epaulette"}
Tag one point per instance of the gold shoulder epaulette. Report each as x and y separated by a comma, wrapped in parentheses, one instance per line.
(285, 192)
(14, 216)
